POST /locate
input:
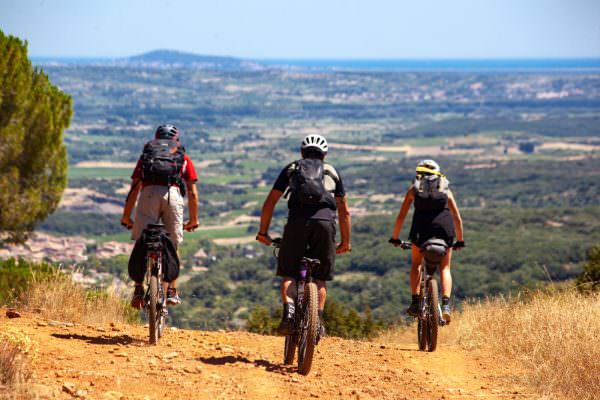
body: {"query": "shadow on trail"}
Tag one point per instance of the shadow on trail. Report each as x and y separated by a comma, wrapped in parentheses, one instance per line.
(110, 340)
(267, 365)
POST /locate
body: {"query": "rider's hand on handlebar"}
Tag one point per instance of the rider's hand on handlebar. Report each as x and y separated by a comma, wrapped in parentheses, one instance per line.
(343, 248)
(191, 226)
(264, 238)
(395, 242)
(127, 222)
(460, 244)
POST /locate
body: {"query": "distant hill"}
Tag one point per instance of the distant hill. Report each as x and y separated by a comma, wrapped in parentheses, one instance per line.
(158, 59)
(179, 58)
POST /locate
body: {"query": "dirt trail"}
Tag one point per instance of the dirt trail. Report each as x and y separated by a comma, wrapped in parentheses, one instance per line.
(115, 362)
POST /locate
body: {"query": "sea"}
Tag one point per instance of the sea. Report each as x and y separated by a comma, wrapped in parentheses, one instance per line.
(570, 64)
(585, 64)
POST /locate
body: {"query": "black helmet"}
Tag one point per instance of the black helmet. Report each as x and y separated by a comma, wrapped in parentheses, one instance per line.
(167, 131)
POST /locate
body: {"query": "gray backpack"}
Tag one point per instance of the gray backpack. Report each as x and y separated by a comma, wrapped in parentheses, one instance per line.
(430, 186)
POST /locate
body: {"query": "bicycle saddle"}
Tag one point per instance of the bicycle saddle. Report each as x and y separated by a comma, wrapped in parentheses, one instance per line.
(155, 226)
(311, 261)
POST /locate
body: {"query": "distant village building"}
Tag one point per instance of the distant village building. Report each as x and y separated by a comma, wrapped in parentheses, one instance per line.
(44, 247)
(112, 249)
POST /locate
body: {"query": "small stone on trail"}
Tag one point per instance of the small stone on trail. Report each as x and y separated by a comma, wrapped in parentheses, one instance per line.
(121, 355)
(69, 387)
(54, 323)
(112, 395)
(100, 329)
(41, 323)
(13, 314)
(170, 355)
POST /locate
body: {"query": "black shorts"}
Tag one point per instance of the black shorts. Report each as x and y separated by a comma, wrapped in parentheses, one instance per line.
(312, 238)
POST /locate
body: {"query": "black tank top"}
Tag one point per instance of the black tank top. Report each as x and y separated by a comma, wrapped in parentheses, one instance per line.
(432, 218)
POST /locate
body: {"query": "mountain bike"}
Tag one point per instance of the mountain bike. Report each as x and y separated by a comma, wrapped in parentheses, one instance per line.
(155, 301)
(305, 333)
(429, 318)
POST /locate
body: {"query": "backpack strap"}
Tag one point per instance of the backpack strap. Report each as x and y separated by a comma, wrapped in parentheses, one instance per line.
(330, 171)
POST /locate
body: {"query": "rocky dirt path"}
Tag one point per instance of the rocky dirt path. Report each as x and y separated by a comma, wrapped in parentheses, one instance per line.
(115, 362)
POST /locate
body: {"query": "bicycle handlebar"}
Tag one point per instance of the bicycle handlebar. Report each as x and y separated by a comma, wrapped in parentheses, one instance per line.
(407, 245)
(400, 243)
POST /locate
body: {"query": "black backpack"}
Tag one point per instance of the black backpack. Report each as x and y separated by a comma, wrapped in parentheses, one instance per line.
(162, 162)
(306, 182)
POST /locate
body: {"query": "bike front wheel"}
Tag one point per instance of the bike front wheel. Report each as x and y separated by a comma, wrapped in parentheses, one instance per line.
(310, 325)
(433, 315)
(153, 312)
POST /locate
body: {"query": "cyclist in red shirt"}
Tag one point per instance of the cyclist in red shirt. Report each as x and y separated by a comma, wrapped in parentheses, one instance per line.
(161, 202)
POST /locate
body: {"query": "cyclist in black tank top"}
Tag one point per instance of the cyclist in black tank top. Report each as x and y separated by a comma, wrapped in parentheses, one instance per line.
(436, 215)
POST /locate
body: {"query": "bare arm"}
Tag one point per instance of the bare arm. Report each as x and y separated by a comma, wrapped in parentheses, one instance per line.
(408, 200)
(458, 225)
(266, 215)
(345, 224)
(192, 192)
(126, 220)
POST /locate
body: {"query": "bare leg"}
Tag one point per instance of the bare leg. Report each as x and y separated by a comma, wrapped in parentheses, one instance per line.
(415, 270)
(172, 283)
(288, 290)
(322, 286)
(445, 275)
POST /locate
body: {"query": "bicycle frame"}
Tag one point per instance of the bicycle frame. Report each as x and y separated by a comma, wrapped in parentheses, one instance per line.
(154, 268)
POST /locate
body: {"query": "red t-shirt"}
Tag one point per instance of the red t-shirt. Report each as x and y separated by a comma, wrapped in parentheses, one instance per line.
(188, 172)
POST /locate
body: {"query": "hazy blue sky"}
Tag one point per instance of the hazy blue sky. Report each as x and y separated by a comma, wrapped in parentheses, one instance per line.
(308, 28)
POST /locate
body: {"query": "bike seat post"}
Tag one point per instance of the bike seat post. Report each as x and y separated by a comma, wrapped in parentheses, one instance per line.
(303, 269)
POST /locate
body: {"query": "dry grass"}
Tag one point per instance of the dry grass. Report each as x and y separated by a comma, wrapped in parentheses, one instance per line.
(17, 351)
(553, 334)
(59, 298)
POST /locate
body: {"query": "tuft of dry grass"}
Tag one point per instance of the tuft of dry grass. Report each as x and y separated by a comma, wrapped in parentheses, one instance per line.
(17, 351)
(553, 334)
(58, 297)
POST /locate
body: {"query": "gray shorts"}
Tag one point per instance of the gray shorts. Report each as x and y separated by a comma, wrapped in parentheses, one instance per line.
(159, 204)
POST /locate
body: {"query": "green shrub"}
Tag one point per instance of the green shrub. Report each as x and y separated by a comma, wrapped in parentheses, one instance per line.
(15, 276)
(589, 279)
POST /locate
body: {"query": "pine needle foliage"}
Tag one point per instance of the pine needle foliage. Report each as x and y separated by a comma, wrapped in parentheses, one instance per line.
(33, 157)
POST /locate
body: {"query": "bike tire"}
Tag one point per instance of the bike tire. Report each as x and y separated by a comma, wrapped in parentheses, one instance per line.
(422, 334)
(433, 322)
(162, 319)
(289, 351)
(153, 310)
(310, 325)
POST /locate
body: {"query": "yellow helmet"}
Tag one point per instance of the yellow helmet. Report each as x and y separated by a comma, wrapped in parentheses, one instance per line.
(428, 167)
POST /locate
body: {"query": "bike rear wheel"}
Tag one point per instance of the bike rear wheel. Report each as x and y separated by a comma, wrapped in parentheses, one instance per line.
(153, 312)
(308, 335)
(162, 319)
(291, 341)
(433, 322)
